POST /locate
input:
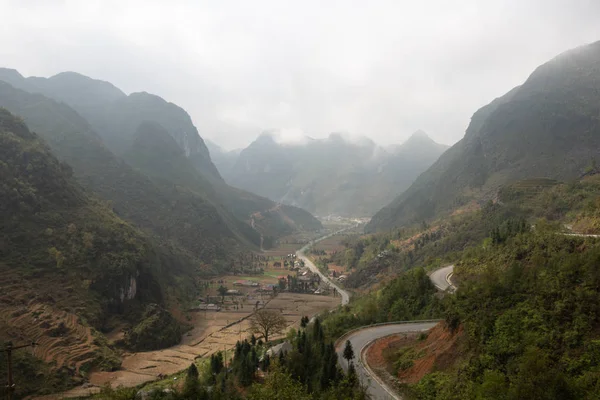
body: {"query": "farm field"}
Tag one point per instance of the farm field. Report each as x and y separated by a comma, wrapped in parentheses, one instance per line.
(214, 331)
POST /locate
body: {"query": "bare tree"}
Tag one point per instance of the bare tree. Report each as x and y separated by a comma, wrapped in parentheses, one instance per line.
(267, 322)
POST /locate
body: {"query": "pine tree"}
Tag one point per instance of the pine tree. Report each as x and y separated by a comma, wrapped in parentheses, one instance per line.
(348, 352)
(191, 387)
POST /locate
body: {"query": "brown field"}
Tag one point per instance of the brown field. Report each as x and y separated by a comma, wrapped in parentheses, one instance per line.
(210, 329)
(208, 336)
(282, 250)
(331, 244)
(340, 269)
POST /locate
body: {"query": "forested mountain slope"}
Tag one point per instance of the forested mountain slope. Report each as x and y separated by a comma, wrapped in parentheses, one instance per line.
(175, 216)
(546, 128)
(116, 116)
(105, 173)
(68, 265)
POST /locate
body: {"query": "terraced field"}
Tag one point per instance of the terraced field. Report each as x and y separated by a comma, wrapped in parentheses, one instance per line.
(212, 332)
(61, 338)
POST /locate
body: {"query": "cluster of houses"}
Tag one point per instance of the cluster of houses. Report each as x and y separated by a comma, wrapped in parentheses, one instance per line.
(290, 263)
(300, 280)
(305, 281)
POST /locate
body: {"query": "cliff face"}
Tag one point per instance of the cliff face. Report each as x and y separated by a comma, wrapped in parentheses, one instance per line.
(548, 127)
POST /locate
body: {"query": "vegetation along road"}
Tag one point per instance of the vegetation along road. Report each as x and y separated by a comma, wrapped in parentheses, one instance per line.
(361, 338)
(441, 277)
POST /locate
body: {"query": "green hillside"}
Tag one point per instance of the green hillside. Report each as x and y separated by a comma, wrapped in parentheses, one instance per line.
(65, 256)
(176, 217)
(116, 116)
(173, 212)
(546, 128)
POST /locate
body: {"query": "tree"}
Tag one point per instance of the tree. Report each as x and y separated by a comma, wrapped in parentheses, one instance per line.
(192, 387)
(304, 321)
(352, 377)
(278, 385)
(348, 352)
(282, 284)
(267, 322)
(216, 363)
(222, 291)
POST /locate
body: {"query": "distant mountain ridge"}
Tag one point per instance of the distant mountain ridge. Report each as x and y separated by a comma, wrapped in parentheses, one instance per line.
(335, 175)
(134, 195)
(82, 144)
(224, 160)
(116, 116)
(548, 127)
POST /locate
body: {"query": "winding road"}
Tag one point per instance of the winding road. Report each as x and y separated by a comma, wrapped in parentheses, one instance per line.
(300, 254)
(361, 338)
(441, 278)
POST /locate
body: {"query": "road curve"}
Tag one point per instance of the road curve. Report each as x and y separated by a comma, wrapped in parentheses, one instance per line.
(360, 339)
(300, 254)
(441, 278)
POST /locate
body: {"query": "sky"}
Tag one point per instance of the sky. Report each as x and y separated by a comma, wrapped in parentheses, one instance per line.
(375, 68)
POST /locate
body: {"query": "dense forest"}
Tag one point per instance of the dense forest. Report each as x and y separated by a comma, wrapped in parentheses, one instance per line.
(63, 254)
(528, 308)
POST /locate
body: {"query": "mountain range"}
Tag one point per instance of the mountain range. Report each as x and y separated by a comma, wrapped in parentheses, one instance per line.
(94, 126)
(548, 127)
(112, 210)
(332, 176)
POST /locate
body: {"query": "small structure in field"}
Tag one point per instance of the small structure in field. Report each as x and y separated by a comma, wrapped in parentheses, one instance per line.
(208, 307)
(245, 283)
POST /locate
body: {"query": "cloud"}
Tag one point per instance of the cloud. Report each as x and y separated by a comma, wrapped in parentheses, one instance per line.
(377, 68)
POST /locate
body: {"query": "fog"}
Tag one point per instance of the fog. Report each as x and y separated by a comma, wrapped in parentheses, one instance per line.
(381, 69)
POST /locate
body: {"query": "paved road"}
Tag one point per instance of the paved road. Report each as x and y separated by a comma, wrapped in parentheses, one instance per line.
(300, 254)
(582, 235)
(440, 278)
(361, 338)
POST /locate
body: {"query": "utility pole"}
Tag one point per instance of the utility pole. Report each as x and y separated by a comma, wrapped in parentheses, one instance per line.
(8, 349)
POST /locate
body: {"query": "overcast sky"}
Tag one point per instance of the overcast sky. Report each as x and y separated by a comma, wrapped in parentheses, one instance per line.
(382, 69)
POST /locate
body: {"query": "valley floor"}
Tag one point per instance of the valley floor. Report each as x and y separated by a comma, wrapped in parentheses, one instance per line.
(212, 332)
